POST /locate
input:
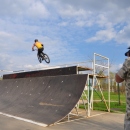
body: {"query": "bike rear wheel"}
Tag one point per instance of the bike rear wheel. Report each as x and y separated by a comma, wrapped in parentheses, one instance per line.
(46, 58)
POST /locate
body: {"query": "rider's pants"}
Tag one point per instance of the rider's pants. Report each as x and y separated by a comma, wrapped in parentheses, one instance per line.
(40, 51)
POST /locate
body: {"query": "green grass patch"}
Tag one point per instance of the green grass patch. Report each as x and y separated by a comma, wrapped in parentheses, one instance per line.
(117, 104)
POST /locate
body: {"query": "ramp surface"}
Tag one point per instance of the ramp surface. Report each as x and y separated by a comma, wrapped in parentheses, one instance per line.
(42, 99)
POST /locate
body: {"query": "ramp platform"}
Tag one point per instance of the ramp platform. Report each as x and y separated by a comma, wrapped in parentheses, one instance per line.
(47, 72)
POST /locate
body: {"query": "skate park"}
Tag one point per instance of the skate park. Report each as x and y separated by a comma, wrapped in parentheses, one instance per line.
(50, 99)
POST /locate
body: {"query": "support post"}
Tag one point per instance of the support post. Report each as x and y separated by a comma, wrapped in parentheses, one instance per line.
(119, 95)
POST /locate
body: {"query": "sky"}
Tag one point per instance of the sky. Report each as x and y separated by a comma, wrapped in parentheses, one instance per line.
(71, 31)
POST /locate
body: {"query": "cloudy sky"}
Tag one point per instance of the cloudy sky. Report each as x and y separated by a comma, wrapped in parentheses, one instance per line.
(71, 31)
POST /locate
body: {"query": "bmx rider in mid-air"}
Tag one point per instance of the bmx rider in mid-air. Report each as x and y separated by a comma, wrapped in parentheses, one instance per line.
(40, 54)
(39, 46)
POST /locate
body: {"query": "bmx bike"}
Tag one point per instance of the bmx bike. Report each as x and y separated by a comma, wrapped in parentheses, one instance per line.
(43, 56)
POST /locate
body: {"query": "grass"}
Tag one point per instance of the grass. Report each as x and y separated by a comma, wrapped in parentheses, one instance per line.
(115, 105)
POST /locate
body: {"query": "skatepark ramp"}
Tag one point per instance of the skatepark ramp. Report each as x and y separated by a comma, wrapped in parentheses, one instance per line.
(44, 100)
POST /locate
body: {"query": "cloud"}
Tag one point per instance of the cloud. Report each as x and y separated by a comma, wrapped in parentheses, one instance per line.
(103, 35)
(115, 67)
(38, 66)
(37, 9)
(123, 35)
(62, 25)
(32, 9)
(72, 12)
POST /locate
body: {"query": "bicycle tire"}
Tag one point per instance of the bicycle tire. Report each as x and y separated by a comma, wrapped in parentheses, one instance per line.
(39, 58)
(46, 58)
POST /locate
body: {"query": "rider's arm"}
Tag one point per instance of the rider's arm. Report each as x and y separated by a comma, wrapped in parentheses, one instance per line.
(33, 47)
(118, 78)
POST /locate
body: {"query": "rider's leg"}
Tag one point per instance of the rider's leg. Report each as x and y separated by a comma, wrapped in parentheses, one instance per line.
(41, 53)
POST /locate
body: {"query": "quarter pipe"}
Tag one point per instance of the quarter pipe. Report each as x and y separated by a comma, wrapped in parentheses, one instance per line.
(44, 100)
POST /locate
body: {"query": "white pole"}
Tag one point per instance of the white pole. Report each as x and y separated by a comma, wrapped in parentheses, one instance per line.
(88, 95)
(108, 85)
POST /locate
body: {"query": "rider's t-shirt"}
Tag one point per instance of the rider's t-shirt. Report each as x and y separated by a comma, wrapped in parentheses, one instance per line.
(38, 45)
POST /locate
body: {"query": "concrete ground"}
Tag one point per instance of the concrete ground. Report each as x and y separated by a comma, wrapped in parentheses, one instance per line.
(107, 121)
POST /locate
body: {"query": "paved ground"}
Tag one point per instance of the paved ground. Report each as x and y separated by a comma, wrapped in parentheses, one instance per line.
(108, 121)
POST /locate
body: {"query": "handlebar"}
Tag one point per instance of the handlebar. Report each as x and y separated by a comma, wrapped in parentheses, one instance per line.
(35, 50)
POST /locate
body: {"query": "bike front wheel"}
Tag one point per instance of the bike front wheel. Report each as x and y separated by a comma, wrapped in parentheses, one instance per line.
(39, 58)
(46, 58)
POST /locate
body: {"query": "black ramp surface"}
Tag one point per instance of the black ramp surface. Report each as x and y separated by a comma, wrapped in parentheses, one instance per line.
(43, 99)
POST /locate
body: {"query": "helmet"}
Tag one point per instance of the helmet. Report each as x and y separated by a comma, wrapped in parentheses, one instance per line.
(36, 40)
